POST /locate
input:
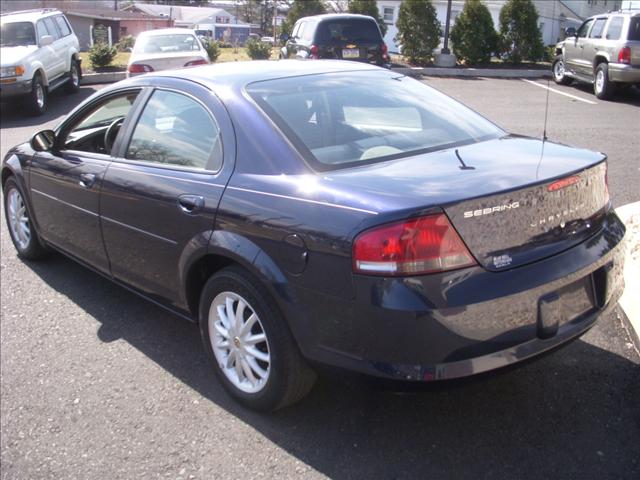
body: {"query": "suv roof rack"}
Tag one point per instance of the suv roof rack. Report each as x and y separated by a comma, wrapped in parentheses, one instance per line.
(33, 10)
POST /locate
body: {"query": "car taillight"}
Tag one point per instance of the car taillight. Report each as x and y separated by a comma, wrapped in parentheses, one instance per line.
(314, 50)
(192, 63)
(140, 68)
(624, 56)
(417, 246)
(383, 49)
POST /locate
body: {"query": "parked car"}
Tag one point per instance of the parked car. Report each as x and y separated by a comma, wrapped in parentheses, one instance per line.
(337, 36)
(307, 213)
(604, 51)
(165, 49)
(39, 53)
(267, 40)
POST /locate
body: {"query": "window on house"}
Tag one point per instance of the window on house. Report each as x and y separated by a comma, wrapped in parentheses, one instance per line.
(387, 14)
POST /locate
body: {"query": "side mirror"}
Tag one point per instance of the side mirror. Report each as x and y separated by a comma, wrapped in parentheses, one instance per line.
(570, 32)
(43, 141)
(46, 40)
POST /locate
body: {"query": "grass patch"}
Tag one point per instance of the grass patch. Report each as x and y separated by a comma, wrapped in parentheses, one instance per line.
(226, 55)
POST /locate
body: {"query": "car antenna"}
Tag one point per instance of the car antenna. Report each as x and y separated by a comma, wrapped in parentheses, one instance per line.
(464, 165)
(546, 105)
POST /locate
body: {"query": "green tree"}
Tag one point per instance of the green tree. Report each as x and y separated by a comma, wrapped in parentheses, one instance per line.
(368, 7)
(520, 38)
(419, 30)
(299, 9)
(473, 37)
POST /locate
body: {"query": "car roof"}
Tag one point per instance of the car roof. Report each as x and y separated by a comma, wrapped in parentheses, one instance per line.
(337, 16)
(239, 74)
(28, 15)
(166, 31)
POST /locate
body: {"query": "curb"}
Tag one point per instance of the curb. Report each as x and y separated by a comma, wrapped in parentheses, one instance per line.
(629, 301)
(107, 77)
(472, 72)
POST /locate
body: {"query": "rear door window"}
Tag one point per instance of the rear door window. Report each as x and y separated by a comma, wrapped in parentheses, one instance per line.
(62, 25)
(176, 130)
(598, 27)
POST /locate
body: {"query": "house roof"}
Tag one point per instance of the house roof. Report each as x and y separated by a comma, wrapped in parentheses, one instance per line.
(182, 14)
(107, 14)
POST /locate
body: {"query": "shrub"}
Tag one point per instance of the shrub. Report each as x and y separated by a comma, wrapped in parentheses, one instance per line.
(258, 50)
(418, 30)
(519, 35)
(213, 49)
(101, 54)
(368, 7)
(125, 43)
(473, 37)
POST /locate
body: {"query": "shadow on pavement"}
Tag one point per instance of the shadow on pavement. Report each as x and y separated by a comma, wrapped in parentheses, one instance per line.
(575, 413)
(627, 94)
(14, 113)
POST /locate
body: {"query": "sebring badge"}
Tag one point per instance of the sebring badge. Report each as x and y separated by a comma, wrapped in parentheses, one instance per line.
(490, 210)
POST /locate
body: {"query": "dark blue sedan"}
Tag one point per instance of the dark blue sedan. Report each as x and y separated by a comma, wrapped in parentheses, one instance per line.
(307, 213)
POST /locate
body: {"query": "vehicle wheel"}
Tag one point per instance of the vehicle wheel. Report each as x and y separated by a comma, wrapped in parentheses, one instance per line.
(558, 71)
(21, 229)
(254, 354)
(38, 96)
(602, 86)
(73, 85)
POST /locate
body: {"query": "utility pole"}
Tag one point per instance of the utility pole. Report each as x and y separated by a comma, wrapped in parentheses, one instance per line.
(444, 58)
(445, 48)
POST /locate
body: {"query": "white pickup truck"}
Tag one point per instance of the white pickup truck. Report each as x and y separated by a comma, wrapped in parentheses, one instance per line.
(39, 53)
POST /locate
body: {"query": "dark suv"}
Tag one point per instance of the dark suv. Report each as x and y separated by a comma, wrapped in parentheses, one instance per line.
(604, 51)
(337, 36)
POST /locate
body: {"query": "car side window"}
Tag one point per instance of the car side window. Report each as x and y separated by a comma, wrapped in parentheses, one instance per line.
(296, 27)
(41, 30)
(96, 129)
(584, 29)
(307, 35)
(53, 30)
(175, 129)
(598, 27)
(300, 32)
(614, 31)
(63, 25)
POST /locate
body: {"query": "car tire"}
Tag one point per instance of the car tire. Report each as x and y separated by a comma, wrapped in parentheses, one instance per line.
(253, 352)
(38, 98)
(73, 85)
(602, 86)
(558, 72)
(20, 225)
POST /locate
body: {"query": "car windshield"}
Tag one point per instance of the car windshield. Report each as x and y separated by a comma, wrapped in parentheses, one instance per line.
(634, 28)
(339, 120)
(17, 33)
(166, 43)
(352, 30)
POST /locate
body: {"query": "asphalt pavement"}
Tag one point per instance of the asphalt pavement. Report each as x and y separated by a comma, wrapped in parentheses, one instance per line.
(97, 383)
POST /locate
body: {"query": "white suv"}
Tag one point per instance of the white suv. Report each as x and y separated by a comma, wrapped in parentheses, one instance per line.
(39, 53)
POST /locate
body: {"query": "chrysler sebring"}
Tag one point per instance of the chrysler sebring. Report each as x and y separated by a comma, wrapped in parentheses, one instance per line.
(310, 213)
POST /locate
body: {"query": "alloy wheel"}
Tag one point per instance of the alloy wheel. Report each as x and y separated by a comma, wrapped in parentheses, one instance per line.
(18, 219)
(558, 70)
(239, 342)
(599, 81)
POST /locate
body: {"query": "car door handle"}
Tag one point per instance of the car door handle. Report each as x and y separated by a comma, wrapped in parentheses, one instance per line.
(191, 204)
(87, 180)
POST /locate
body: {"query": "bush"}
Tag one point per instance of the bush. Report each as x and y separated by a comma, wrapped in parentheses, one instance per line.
(258, 50)
(419, 30)
(101, 55)
(520, 38)
(213, 49)
(473, 37)
(368, 7)
(125, 43)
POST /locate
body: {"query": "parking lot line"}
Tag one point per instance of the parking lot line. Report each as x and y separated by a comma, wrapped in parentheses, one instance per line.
(591, 102)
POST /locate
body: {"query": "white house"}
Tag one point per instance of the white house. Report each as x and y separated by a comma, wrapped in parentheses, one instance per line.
(554, 15)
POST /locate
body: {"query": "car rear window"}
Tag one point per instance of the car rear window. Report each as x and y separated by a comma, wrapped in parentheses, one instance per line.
(349, 31)
(338, 120)
(615, 28)
(634, 29)
(166, 43)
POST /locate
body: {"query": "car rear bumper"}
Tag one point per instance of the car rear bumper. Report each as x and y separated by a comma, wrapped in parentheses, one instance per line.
(469, 321)
(619, 72)
(14, 89)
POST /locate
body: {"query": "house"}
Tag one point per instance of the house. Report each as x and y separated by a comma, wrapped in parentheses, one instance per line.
(213, 22)
(121, 23)
(554, 15)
